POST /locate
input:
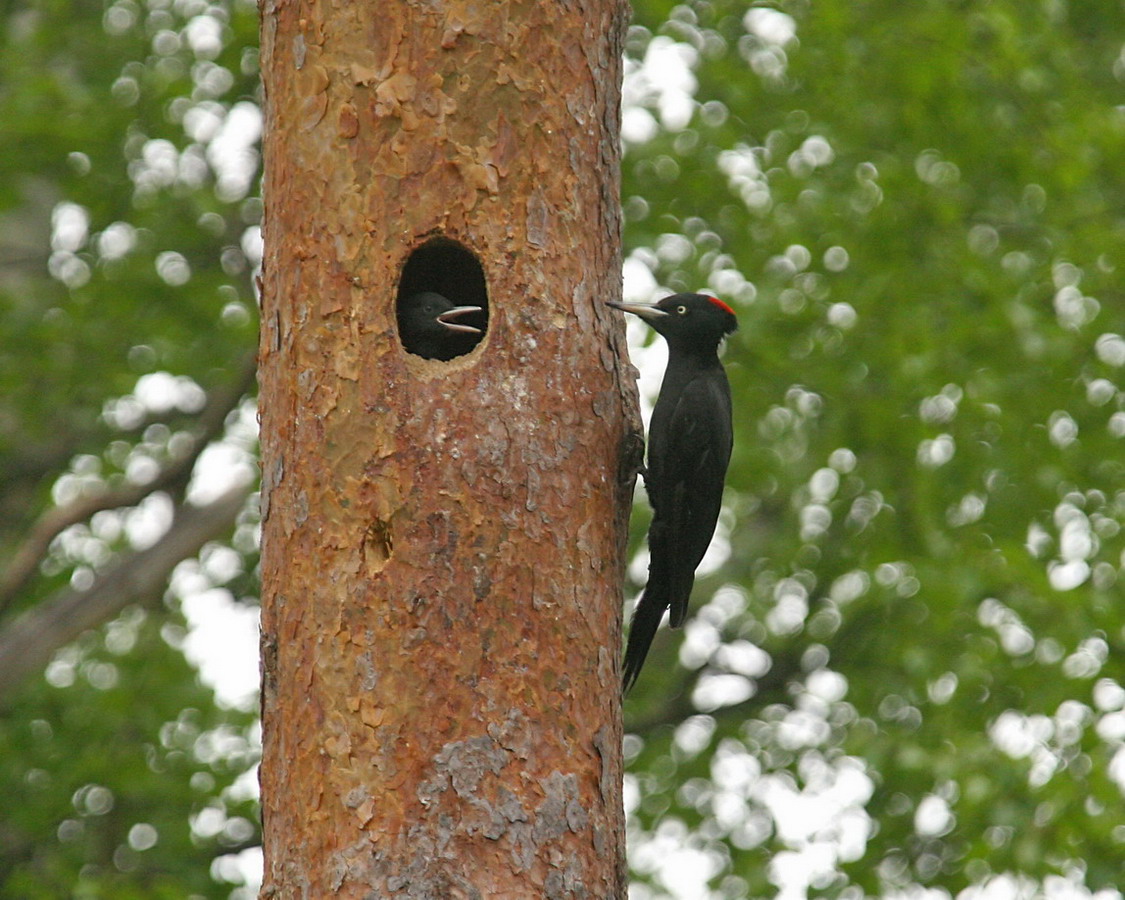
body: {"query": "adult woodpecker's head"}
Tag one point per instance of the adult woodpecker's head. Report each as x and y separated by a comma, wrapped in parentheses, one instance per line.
(428, 326)
(688, 322)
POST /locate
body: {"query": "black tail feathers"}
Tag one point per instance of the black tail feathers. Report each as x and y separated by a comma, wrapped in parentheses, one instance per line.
(646, 619)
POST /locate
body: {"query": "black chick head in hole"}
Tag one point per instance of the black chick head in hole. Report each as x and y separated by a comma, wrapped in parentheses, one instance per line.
(431, 326)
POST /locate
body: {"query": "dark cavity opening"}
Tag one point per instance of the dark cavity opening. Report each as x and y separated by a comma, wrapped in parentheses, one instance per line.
(442, 301)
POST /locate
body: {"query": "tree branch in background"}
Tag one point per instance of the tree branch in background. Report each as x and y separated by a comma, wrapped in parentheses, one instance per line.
(769, 688)
(28, 642)
(28, 557)
(786, 668)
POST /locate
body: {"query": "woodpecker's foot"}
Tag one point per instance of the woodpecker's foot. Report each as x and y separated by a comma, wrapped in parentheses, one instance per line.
(630, 460)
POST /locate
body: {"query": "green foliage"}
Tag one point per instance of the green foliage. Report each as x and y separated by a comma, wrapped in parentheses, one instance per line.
(927, 490)
(103, 187)
(121, 255)
(106, 767)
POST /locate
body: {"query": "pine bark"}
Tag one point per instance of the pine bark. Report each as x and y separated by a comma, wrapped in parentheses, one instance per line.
(443, 542)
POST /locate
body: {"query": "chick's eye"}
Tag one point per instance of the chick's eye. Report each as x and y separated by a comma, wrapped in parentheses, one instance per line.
(682, 310)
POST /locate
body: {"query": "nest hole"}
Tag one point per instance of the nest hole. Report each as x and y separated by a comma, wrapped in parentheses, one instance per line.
(442, 301)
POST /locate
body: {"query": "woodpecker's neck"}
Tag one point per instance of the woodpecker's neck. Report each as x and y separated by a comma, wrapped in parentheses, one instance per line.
(693, 358)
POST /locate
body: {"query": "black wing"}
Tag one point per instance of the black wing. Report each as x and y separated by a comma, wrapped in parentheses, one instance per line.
(689, 492)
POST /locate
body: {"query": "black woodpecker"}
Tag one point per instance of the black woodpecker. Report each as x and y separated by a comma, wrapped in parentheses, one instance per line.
(427, 328)
(689, 445)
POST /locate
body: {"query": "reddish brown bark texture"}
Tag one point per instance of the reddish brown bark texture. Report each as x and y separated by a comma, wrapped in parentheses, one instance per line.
(442, 542)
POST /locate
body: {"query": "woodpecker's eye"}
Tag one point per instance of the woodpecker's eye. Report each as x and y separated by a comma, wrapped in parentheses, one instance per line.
(682, 310)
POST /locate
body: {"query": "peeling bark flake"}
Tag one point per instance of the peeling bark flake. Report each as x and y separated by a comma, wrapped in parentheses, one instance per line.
(348, 121)
(537, 213)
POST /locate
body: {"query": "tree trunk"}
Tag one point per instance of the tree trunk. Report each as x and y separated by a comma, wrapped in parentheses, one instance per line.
(443, 542)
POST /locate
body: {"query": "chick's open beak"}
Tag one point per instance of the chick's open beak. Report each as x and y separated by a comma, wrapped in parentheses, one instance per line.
(455, 313)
